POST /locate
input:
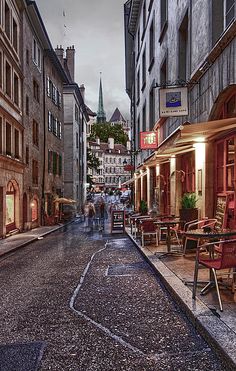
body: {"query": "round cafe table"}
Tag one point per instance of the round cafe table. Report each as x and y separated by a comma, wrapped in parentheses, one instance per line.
(168, 224)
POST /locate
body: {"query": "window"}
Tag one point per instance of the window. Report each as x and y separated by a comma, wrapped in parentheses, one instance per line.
(144, 15)
(164, 4)
(77, 140)
(1, 70)
(144, 118)
(27, 56)
(151, 45)
(144, 69)
(16, 89)
(36, 90)
(60, 165)
(27, 105)
(8, 139)
(17, 144)
(229, 12)
(151, 108)
(76, 113)
(59, 129)
(183, 50)
(54, 163)
(138, 41)
(163, 73)
(7, 21)
(35, 172)
(50, 161)
(138, 86)
(35, 133)
(15, 35)
(50, 117)
(1, 136)
(27, 155)
(8, 79)
(36, 54)
(54, 125)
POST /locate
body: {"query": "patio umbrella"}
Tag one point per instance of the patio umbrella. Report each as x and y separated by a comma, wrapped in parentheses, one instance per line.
(65, 201)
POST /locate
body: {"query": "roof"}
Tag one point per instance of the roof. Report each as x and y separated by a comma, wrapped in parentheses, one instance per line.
(90, 112)
(119, 149)
(117, 116)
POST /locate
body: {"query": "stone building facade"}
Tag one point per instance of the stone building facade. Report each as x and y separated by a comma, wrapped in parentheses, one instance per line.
(11, 118)
(43, 121)
(111, 172)
(75, 127)
(183, 44)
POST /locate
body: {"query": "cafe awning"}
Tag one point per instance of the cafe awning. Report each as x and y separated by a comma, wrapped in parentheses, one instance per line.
(185, 136)
(65, 201)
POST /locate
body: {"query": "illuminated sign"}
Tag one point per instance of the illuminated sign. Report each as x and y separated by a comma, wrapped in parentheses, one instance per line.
(148, 140)
(173, 101)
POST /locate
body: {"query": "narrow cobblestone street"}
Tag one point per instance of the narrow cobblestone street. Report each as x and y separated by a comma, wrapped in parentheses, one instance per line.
(97, 305)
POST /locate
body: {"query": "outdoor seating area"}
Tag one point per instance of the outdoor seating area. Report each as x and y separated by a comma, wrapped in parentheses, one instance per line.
(196, 252)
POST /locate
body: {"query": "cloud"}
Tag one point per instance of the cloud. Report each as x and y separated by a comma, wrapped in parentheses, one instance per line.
(95, 28)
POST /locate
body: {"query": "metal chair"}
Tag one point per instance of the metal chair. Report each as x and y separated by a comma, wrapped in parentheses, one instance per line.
(215, 262)
(197, 224)
(148, 228)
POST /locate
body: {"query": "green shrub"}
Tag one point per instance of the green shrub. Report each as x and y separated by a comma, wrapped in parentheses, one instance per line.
(189, 201)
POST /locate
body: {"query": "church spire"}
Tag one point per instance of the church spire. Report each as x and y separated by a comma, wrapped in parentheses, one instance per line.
(101, 115)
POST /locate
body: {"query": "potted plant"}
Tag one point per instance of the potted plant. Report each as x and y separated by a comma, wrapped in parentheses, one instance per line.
(143, 207)
(188, 210)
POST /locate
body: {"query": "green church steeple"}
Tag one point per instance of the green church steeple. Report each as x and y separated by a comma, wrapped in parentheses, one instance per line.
(101, 115)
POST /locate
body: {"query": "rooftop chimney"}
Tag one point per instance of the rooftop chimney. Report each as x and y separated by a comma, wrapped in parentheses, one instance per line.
(60, 53)
(70, 60)
(82, 90)
(111, 143)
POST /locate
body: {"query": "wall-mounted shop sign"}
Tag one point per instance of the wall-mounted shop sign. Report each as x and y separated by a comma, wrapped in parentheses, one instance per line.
(173, 102)
(148, 140)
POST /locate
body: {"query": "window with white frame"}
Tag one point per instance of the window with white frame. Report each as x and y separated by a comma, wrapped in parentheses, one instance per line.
(37, 54)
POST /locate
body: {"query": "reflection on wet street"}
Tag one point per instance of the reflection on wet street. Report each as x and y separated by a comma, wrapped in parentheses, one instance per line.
(97, 305)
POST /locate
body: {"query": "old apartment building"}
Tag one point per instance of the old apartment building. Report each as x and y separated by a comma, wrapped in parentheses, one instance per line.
(32, 135)
(191, 45)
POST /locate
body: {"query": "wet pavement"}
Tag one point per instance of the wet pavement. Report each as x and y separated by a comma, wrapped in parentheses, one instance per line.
(97, 304)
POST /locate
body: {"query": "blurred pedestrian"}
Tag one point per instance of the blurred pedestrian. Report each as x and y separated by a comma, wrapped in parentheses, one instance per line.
(89, 212)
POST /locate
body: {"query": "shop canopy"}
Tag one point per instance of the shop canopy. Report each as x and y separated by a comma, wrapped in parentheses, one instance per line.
(65, 201)
(183, 139)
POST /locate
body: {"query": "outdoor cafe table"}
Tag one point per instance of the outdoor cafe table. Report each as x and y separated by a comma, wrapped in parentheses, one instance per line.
(168, 223)
(199, 235)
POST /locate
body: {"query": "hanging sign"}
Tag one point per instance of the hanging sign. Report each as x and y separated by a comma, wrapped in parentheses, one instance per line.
(148, 140)
(173, 101)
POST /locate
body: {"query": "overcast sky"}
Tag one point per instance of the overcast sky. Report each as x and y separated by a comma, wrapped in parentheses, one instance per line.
(95, 28)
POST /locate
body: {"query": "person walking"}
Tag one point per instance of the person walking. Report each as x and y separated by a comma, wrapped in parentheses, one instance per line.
(89, 212)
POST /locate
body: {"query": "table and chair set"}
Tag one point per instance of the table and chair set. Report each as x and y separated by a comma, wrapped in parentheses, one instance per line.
(215, 248)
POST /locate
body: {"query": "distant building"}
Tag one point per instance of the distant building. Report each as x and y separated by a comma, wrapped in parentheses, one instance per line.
(118, 118)
(112, 157)
(75, 127)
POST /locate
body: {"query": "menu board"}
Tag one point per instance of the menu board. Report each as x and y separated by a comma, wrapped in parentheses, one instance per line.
(221, 211)
(117, 221)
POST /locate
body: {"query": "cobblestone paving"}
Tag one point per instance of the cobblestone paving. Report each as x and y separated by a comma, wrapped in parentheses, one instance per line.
(98, 305)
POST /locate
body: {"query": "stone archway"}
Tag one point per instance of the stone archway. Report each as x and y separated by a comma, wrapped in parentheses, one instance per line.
(216, 111)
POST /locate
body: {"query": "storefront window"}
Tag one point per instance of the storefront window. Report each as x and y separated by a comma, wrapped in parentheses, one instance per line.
(10, 205)
(34, 210)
